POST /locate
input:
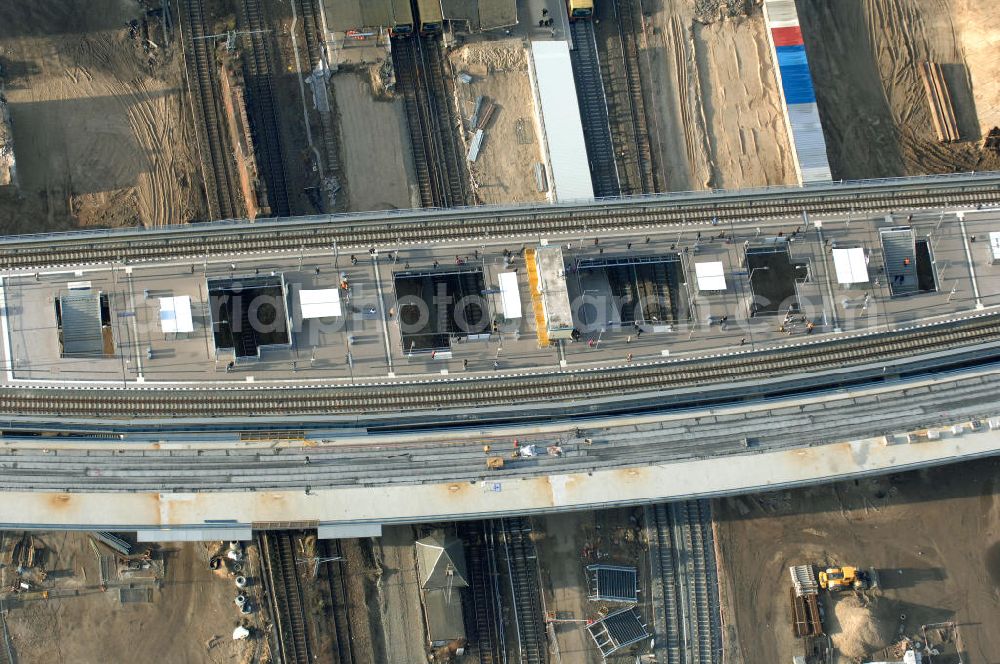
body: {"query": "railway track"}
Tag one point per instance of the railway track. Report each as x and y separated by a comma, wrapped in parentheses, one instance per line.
(217, 167)
(667, 616)
(7, 655)
(594, 110)
(693, 528)
(341, 632)
(686, 569)
(557, 387)
(634, 103)
(285, 596)
(405, 61)
(264, 120)
(97, 466)
(480, 551)
(312, 233)
(448, 122)
(433, 120)
(522, 571)
(313, 29)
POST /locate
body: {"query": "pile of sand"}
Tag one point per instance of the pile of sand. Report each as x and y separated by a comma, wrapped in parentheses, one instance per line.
(507, 55)
(862, 626)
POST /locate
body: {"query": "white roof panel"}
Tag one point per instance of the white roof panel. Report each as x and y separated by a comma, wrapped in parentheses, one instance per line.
(995, 245)
(781, 13)
(560, 116)
(711, 276)
(808, 142)
(510, 295)
(320, 303)
(851, 265)
(175, 314)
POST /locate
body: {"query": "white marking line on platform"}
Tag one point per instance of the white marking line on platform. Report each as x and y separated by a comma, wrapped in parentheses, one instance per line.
(7, 343)
(135, 325)
(972, 266)
(382, 312)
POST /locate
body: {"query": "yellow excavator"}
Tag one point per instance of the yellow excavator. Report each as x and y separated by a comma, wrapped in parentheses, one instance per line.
(836, 579)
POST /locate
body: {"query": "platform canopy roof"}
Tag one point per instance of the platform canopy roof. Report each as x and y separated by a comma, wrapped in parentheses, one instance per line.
(711, 276)
(175, 314)
(320, 303)
(851, 265)
(510, 295)
(562, 126)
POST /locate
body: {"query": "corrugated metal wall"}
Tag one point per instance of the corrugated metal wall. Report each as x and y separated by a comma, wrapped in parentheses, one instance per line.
(795, 82)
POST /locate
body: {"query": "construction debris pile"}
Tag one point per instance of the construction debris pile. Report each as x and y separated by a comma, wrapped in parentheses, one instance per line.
(134, 574)
(8, 171)
(707, 11)
(26, 560)
(865, 625)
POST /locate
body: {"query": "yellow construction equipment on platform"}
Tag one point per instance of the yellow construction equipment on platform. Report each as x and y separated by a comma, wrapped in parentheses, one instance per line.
(541, 325)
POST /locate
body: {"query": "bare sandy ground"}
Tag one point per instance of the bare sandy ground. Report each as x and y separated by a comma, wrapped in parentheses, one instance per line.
(716, 107)
(190, 620)
(742, 104)
(100, 139)
(504, 171)
(864, 58)
(979, 35)
(933, 537)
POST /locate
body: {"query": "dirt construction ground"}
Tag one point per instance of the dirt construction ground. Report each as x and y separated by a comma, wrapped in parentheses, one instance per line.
(98, 129)
(190, 618)
(504, 170)
(865, 57)
(933, 536)
(716, 105)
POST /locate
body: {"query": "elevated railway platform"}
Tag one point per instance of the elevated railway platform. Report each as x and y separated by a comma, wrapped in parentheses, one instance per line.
(468, 327)
(259, 373)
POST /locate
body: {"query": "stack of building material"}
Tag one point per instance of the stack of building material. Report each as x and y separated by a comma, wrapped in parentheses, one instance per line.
(486, 113)
(481, 116)
(942, 112)
(474, 119)
(804, 594)
(483, 112)
(476, 145)
(805, 133)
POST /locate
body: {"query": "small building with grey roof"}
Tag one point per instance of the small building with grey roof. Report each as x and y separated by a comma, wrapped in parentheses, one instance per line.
(441, 571)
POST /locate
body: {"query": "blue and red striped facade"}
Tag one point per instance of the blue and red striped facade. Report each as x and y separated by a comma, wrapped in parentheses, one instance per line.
(798, 95)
